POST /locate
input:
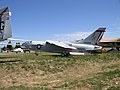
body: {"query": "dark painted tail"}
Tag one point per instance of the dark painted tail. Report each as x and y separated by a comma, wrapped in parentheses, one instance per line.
(95, 37)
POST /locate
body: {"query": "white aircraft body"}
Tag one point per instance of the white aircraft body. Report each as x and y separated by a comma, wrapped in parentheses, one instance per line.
(5, 26)
(77, 47)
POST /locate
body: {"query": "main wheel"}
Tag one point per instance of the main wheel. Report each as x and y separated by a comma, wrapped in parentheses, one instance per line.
(65, 54)
(118, 48)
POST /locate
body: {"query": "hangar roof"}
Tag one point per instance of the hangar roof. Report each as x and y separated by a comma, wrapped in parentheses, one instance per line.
(110, 40)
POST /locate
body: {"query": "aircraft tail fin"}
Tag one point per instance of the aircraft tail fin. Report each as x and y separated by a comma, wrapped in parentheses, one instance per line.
(5, 26)
(95, 37)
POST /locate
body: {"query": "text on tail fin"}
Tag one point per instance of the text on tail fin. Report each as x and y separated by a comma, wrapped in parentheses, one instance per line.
(5, 27)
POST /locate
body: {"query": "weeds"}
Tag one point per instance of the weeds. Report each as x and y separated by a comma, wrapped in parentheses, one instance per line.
(45, 65)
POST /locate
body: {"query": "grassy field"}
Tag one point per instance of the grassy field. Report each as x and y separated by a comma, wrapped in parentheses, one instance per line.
(53, 72)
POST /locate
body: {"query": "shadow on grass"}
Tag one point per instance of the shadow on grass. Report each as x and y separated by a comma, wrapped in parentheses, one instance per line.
(58, 56)
(6, 57)
(5, 61)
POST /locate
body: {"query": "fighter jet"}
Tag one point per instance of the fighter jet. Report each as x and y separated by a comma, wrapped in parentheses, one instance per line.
(87, 45)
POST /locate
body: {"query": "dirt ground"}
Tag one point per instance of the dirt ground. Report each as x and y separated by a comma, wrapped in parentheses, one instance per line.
(58, 75)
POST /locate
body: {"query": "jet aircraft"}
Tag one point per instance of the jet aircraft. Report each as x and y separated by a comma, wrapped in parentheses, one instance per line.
(87, 45)
(78, 47)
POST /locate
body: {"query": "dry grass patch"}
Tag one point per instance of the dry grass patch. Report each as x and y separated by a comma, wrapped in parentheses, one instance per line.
(52, 72)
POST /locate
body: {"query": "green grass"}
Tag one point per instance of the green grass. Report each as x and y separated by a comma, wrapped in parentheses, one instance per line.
(54, 72)
(102, 79)
(24, 88)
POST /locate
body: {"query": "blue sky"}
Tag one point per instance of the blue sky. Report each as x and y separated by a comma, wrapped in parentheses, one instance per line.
(60, 19)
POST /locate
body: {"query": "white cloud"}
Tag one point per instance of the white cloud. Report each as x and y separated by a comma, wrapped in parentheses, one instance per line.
(72, 36)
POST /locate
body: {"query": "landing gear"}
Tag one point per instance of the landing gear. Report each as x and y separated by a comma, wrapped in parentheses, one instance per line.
(118, 48)
(36, 53)
(65, 54)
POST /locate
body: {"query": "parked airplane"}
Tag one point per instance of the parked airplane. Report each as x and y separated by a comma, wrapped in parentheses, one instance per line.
(87, 45)
(5, 27)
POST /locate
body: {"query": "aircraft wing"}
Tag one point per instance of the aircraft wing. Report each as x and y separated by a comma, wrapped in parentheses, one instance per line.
(25, 41)
(3, 43)
(13, 39)
(59, 44)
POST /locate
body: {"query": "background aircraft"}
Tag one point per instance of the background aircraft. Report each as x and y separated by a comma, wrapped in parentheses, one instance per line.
(5, 27)
(87, 45)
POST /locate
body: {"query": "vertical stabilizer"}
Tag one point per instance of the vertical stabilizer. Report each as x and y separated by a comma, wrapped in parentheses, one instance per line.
(95, 37)
(5, 26)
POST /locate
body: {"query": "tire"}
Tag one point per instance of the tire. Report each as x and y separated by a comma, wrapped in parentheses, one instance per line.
(118, 48)
(65, 54)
